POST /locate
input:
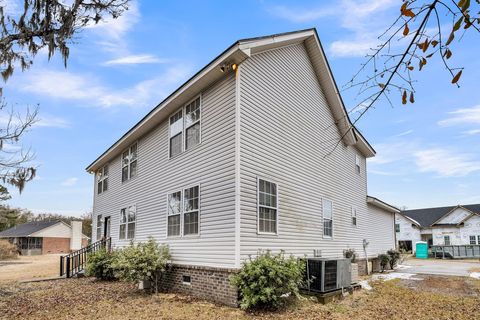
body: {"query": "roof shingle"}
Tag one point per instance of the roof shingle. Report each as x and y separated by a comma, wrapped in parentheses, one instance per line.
(26, 229)
(426, 217)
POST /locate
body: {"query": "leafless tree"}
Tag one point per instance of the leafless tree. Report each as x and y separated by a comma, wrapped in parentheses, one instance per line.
(422, 31)
(39, 24)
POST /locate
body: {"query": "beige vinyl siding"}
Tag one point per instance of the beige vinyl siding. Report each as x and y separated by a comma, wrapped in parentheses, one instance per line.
(286, 130)
(210, 165)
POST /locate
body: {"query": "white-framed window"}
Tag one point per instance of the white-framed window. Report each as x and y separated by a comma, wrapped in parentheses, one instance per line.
(397, 227)
(185, 127)
(478, 239)
(129, 163)
(176, 133)
(446, 240)
(102, 179)
(128, 218)
(473, 240)
(174, 212)
(99, 227)
(358, 168)
(267, 206)
(183, 209)
(327, 210)
(354, 216)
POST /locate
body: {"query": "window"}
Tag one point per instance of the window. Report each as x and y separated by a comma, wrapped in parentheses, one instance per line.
(186, 211)
(267, 206)
(446, 240)
(478, 238)
(30, 243)
(129, 163)
(397, 227)
(174, 211)
(192, 124)
(102, 179)
(186, 279)
(185, 123)
(354, 216)
(190, 215)
(128, 217)
(327, 217)
(99, 226)
(357, 164)
(176, 133)
(473, 240)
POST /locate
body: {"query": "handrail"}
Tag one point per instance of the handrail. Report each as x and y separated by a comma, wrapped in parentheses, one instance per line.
(74, 262)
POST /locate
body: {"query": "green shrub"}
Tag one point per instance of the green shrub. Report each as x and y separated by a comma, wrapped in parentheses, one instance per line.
(8, 250)
(394, 257)
(100, 265)
(350, 254)
(384, 260)
(267, 280)
(143, 261)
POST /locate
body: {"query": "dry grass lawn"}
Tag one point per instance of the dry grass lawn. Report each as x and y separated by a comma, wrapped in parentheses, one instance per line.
(90, 299)
(29, 267)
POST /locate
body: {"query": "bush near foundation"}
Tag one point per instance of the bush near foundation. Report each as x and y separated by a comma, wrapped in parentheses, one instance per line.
(269, 280)
(100, 265)
(7, 250)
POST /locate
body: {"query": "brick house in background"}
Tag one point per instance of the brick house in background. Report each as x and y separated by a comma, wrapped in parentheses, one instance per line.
(43, 237)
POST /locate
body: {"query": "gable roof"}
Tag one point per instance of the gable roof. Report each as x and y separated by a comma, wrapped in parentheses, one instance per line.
(26, 229)
(382, 204)
(236, 54)
(428, 216)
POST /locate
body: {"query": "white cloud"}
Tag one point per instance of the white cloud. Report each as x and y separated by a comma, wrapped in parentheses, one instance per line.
(358, 20)
(404, 133)
(43, 120)
(90, 90)
(446, 163)
(136, 59)
(471, 132)
(462, 116)
(69, 182)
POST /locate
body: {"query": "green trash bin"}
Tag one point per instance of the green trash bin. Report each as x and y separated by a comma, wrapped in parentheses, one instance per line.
(421, 250)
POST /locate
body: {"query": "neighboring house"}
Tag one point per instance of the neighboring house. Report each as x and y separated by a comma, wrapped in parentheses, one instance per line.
(454, 225)
(254, 152)
(43, 237)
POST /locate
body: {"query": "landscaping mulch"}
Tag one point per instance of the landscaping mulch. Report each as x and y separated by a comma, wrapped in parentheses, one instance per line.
(89, 299)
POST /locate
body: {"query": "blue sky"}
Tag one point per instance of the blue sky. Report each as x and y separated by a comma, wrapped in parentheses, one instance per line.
(427, 152)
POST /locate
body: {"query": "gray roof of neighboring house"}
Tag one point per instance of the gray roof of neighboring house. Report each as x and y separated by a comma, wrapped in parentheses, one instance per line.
(426, 217)
(26, 229)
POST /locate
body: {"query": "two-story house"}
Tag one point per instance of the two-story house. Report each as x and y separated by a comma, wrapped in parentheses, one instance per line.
(254, 152)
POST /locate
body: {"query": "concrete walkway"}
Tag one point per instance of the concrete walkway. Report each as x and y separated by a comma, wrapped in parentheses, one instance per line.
(439, 267)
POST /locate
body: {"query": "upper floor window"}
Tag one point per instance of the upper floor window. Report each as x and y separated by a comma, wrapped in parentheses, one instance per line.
(129, 163)
(267, 206)
(397, 227)
(128, 218)
(357, 164)
(99, 227)
(185, 128)
(354, 216)
(102, 179)
(327, 217)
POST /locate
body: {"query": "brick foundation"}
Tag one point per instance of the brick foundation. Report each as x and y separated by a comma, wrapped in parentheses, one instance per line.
(205, 282)
(56, 245)
(362, 267)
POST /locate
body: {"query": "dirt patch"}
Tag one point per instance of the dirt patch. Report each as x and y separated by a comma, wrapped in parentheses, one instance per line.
(29, 267)
(457, 286)
(474, 270)
(89, 299)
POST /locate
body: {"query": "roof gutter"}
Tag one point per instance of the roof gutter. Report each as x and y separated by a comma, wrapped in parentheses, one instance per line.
(382, 205)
